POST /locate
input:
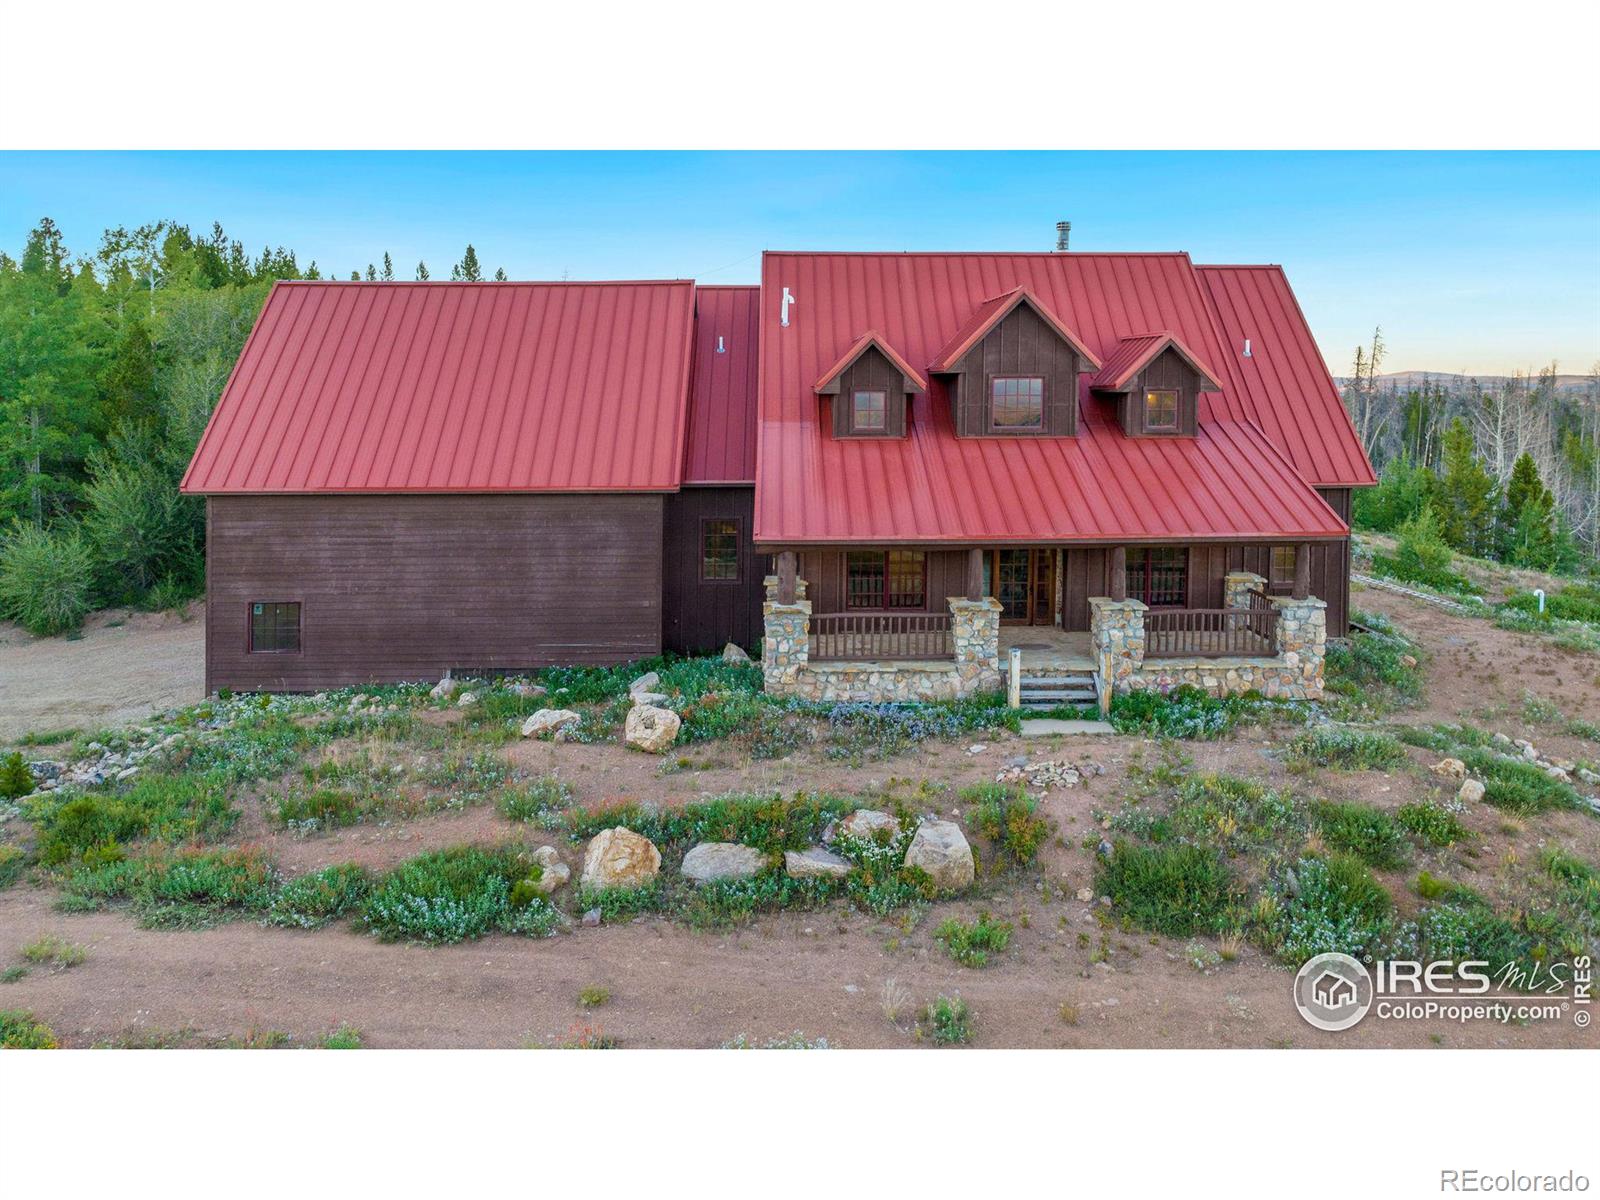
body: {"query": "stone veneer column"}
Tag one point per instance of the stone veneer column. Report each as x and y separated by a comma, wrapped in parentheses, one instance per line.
(975, 634)
(1302, 645)
(1236, 586)
(786, 637)
(1116, 634)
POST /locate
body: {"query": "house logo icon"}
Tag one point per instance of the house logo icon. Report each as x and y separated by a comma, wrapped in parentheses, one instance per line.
(1333, 991)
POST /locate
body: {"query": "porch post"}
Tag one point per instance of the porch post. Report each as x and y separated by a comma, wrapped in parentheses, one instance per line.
(1302, 571)
(788, 569)
(975, 574)
(1119, 573)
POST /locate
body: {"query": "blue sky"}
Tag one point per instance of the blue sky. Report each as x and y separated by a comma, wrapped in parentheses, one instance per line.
(1479, 262)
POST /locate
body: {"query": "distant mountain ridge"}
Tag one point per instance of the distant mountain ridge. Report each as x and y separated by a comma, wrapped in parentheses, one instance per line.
(1404, 380)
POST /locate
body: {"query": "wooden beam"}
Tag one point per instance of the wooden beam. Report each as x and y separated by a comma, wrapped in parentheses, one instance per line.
(788, 570)
(974, 574)
(1119, 573)
(1302, 570)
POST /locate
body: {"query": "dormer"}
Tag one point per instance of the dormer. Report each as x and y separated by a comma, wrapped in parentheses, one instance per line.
(1012, 370)
(870, 386)
(1157, 381)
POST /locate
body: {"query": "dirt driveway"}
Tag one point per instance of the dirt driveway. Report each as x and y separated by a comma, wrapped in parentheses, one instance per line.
(126, 665)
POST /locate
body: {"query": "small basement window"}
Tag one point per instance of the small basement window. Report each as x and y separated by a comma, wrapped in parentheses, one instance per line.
(719, 550)
(1016, 402)
(1161, 409)
(1282, 568)
(275, 627)
(869, 412)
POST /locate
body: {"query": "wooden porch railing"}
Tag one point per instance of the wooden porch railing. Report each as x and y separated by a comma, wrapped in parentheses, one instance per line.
(1213, 632)
(856, 636)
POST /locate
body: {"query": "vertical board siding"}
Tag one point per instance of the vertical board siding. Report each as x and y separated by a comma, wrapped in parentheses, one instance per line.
(871, 372)
(1022, 344)
(701, 616)
(824, 573)
(406, 587)
(1169, 370)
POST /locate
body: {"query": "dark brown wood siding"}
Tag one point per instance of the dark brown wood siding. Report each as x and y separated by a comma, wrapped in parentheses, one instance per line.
(1022, 344)
(701, 615)
(1083, 574)
(1169, 370)
(824, 573)
(405, 587)
(871, 372)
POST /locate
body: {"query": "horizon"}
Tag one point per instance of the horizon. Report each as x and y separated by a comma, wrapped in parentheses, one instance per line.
(1473, 263)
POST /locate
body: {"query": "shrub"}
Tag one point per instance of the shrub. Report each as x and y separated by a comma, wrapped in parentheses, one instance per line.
(543, 801)
(1228, 813)
(319, 808)
(55, 951)
(185, 889)
(346, 1037)
(1370, 834)
(1010, 819)
(457, 894)
(861, 730)
(1401, 494)
(617, 902)
(19, 1031)
(1467, 928)
(88, 821)
(769, 823)
(594, 996)
(46, 579)
(948, 1020)
(12, 863)
(971, 944)
(1345, 749)
(16, 780)
(1518, 786)
(313, 900)
(1431, 822)
(1329, 904)
(169, 808)
(1190, 713)
(1579, 882)
(141, 528)
(1176, 890)
(1422, 556)
(1371, 669)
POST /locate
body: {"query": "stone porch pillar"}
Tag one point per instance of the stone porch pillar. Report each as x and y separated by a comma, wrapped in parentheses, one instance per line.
(1237, 586)
(1116, 636)
(975, 634)
(1302, 645)
(786, 637)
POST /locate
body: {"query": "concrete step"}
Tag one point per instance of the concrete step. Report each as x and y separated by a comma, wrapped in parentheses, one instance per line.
(1060, 696)
(1072, 679)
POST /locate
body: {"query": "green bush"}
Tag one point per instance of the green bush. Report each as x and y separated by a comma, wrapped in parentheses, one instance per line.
(167, 808)
(948, 1021)
(1009, 818)
(1371, 669)
(1431, 822)
(1422, 556)
(1190, 713)
(1178, 890)
(1368, 833)
(615, 903)
(971, 944)
(1229, 814)
(1330, 904)
(140, 526)
(769, 823)
(314, 900)
(185, 889)
(1401, 494)
(457, 894)
(19, 1031)
(543, 801)
(12, 863)
(16, 780)
(88, 821)
(1466, 927)
(319, 808)
(1345, 749)
(1518, 786)
(1580, 884)
(46, 579)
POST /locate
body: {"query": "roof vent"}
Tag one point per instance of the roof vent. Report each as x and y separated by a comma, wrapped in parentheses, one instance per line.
(1247, 348)
(721, 349)
(787, 300)
(1063, 232)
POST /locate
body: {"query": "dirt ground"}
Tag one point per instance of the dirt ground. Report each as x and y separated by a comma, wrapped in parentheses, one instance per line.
(126, 665)
(825, 974)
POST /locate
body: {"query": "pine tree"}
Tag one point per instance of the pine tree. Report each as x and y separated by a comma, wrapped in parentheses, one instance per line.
(355, 276)
(372, 273)
(422, 272)
(468, 267)
(499, 274)
(388, 268)
(1464, 499)
(129, 383)
(15, 778)
(1526, 510)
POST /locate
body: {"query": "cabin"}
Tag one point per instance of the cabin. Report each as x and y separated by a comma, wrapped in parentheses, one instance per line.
(890, 473)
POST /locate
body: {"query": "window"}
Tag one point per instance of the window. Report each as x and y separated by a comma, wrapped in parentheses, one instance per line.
(275, 627)
(719, 550)
(869, 412)
(1159, 575)
(1282, 569)
(886, 579)
(1016, 402)
(1161, 409)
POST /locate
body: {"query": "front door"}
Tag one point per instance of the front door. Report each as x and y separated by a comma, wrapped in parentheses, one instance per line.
(1024, 582)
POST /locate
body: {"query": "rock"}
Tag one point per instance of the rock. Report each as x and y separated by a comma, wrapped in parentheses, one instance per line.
(650, 699)
(734, 654)
(619, 857)
(1500, 739)
(550, 720)
(127, 773)
(711, 861)
(592, 918)
(45, 770)
(1086, 894)
(1450, 768)
(445, 688)
(468, 699)
(1471, 792)
(941, 850)
(1408, 662)
(526, 690)
(648, 682)
(815, 863)
(1566, 764)
(977, 749)
(1529, 753)
(1291, 883)
(1588, 776)
(1105, 849)
(1551, 772)
(650, 728)
(865, 822)
(553, 872)
(1017, 760)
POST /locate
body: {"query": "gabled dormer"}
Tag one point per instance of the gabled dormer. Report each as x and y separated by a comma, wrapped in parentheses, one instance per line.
(1012, 370)
(870, 386)
(1157, 381)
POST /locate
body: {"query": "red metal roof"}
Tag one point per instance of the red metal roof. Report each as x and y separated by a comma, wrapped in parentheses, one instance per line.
(914, 379)
(722, 394)
(931, 486)
(989, 314)
(1134, 354)
(1284, 386)
(443, 387)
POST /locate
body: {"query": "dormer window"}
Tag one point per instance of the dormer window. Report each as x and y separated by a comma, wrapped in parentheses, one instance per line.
(1016, 403)
(1161, 410)
(869, 412)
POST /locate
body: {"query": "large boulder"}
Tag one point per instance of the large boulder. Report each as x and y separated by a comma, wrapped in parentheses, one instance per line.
(648, 682)
(1450, 768)
(815, 863)
(940, 849)
(444, 689)
(650, 728)
(526, 690)
(550, 721)
(553, 873)
(620, 858)
(1471, 791)
(865, 822)
(734, 654)
(649, 699)
(711, 861)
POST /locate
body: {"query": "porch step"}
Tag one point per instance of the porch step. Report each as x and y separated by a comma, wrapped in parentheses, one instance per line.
(1061, 688)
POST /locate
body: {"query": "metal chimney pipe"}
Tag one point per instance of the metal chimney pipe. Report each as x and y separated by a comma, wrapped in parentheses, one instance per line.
(1063, 232)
